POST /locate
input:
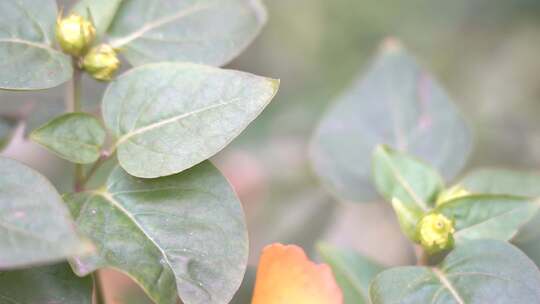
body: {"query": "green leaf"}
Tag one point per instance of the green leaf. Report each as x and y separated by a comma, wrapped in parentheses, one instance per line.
(35, 226)
(396, 103)
(353, 272)
(408, 183)
(400, 176)
(27, 58)
(479, 272)
(502, 181)
(183, 234)
(47, 284)
(203, 31)
(488, 216)
(7, 127)
(102, 13)
(168, 117)
(77, 137)
(408, 218)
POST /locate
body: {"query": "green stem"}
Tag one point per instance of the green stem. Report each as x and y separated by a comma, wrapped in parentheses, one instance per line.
(99, 296)
(74, 105)
(90, 173)
(422, 258)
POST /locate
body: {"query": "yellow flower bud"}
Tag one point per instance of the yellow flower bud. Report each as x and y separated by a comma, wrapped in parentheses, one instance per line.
(454, 192)
(101, 62)
(435, 233)
(75, 34)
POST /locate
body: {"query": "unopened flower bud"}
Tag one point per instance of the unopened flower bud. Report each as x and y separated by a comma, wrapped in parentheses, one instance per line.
(75, 34)
(101, 62)
(435, 233)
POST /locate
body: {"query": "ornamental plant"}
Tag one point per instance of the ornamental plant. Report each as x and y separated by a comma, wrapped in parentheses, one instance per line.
(163, 215)
(395, 136)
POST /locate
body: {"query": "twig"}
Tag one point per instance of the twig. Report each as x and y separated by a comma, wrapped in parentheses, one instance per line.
(99, 296)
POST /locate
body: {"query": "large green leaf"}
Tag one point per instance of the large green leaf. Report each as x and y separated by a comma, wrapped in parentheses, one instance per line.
(168, 117)
(479, 272)
(488, 216)
(203, 31)
(77, 137)
(27, 59)
(352, 271)
(102, 13)
(35, 226)
(396, 103)
(183, 234)
(46, 284)
(502, 181)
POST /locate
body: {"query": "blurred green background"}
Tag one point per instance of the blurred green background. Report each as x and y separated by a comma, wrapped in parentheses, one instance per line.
(484, 52)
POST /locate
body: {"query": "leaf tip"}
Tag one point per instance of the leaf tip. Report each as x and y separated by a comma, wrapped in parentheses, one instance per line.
(275, 83)
(382, 149)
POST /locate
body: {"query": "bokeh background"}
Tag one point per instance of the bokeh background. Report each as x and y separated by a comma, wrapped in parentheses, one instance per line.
(484, 52)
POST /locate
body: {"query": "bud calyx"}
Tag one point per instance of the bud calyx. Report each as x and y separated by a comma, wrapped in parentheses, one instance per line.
(101, 62)
(75, 34)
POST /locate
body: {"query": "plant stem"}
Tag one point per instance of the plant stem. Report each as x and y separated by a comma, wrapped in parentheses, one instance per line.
(99, 296)
(73, 104)
(422, 258)
(73, 99)
(102, 158)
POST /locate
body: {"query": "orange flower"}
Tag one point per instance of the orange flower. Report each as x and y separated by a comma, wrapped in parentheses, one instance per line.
(286, 276)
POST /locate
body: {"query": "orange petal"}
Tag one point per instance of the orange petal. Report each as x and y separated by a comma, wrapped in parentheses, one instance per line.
(286, 276)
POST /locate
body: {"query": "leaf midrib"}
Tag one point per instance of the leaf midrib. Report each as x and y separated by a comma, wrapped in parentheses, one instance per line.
(31, 43)
(164, 122)
(408, 188)
(110, 198)
(448, 285)
(518, 208)
(158, 23)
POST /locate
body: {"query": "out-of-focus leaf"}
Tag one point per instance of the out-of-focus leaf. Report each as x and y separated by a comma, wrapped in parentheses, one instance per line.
(54, 284)
(353, 272)
(488, 216)
(102, 13)
(35, 226)
(169, 117)
(203, 31)
(300, 218)
(7, 127)
(478, 272)
(182, 235)
(27, 59)
(502, 181)
(77, 137)
(396, 103)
